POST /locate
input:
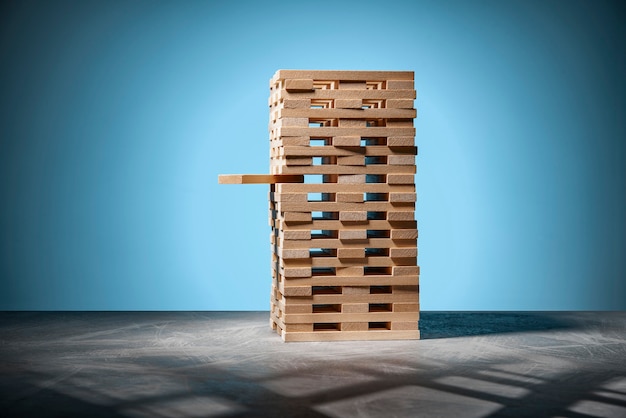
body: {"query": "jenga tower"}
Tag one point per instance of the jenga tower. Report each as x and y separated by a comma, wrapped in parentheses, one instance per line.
(342, 205)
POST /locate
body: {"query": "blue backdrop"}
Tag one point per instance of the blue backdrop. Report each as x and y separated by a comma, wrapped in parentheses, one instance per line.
(117, 117)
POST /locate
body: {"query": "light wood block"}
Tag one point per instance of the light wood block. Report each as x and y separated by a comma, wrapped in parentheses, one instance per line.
(260, 178)
(351, 253)
(299, 84)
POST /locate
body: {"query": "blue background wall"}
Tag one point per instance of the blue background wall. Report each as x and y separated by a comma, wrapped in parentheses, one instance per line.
(116, 118)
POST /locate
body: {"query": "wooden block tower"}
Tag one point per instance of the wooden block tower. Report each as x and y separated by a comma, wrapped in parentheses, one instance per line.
(342, 205)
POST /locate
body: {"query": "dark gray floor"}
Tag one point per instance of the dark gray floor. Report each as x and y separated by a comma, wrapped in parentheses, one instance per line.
(229, 364)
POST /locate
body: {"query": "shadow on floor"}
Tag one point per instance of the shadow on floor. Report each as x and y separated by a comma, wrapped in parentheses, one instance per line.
(464, 324)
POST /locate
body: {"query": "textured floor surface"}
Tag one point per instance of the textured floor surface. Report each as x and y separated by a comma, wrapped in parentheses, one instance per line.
(229, 364)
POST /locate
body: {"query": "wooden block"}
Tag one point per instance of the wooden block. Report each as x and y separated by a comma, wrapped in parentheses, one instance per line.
(297, 103)
(299, 84)
(352, 216)
(297, 291)
(404, 326)
(405, 289)
(354, 326)
(295, 161)
(347, 141)
(344, 75)
(298, 327)
(297, 217)
(289, 197)
(352, 123)
(367, 132)
(350, 271)
(351, 160)
(295, 254)
(349, 170)
(351, 253)
(355, 307)
(401, 160)
(400, 141)
(400, 234)
(369, 335)
(400, 216)
(395, 178)
(402, 197)
(298, 308)
(351, 179)
(259, 178)
(294, 141)
(291, 272)
(297, 234)
(377, 94)
(400, 84)
(349, 197)
(348, 103)
(346, 235)
(399, 115)
(348, 317)
(405, 270)
(406, 307)
(403, 252)
(400, 103)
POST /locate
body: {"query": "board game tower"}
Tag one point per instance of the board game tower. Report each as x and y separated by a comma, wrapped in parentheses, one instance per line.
(342, 205)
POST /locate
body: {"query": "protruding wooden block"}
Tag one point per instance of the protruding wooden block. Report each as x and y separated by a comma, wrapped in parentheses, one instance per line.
(350, 197)
(347, 253)
(297, 103)
(297, 272)
(402, 197)
(400, 103)
(400, 234)
(400, 216)
(259, 178)
(298, 85)
(297, 217)
(297, 291)
(403, 252)
(405, 271)
(395, 178)
(297, 234)
(400, 141)
(295, 254)
(400, 85)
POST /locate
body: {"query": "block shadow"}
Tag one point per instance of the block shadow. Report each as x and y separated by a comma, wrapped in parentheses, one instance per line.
(454, 324)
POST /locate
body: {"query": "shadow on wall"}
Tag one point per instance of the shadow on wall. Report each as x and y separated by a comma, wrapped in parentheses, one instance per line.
(465, 324)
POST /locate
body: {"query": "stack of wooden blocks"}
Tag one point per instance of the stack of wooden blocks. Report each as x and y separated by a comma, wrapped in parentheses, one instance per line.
(344, 237)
